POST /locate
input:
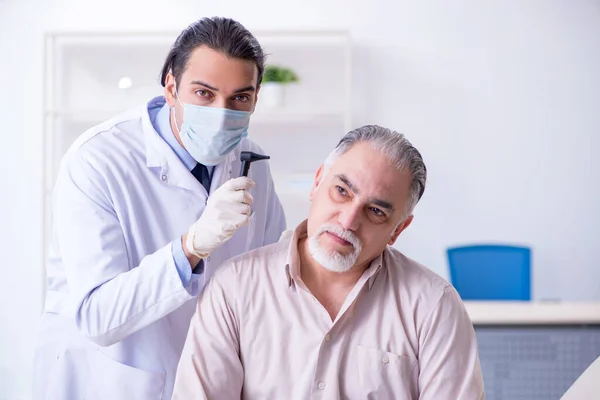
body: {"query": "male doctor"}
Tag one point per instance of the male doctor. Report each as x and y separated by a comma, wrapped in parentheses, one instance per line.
(147, 205)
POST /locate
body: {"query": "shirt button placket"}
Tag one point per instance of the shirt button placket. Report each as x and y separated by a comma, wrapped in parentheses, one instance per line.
(322, 385)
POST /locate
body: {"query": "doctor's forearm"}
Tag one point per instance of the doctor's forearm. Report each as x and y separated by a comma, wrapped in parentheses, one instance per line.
(133, 300)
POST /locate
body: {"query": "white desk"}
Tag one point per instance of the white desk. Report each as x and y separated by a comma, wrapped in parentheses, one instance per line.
(532, 313)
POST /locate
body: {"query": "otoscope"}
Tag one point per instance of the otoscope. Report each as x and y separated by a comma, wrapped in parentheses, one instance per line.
(247, 158)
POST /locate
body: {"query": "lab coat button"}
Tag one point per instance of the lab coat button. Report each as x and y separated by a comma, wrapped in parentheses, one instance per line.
(321, 385)
(327, 337)
(385, 359)
(163, 177)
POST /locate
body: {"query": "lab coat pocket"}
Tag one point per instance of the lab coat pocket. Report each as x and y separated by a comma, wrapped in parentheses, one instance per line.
(385, 375)
(110, 379)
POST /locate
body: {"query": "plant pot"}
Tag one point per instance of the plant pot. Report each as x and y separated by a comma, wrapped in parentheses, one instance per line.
(272, 95)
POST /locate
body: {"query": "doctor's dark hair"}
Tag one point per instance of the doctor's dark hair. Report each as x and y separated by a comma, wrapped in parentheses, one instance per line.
(398, 150)
(224, 35)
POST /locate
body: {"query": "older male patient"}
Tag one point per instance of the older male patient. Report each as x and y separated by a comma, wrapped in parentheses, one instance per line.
(333, 311)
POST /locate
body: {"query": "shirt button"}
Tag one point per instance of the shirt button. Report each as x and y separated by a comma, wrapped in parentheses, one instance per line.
(385, 359)
(327, 337)
(207, 258)
(321, 385)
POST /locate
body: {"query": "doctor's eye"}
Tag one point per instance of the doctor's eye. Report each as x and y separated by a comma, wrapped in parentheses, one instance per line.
(243, 98)
(203, 93)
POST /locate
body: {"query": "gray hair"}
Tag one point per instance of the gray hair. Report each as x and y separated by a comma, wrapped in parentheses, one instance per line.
(398, 150)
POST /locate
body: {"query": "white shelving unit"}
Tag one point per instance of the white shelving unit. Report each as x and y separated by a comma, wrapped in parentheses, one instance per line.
(83, 71)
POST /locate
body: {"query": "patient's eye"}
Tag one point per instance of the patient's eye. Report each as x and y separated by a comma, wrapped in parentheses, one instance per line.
(377, 212)
(341, 190)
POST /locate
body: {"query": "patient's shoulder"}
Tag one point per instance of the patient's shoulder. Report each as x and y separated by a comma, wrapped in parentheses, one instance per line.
(412, 274)
(415, 284)
(260, 264)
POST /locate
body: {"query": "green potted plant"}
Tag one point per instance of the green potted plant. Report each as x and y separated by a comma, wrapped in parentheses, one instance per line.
(275, 79)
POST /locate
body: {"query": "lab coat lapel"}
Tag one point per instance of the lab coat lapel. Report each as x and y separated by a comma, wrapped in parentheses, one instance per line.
(180, 176)
(171, 170)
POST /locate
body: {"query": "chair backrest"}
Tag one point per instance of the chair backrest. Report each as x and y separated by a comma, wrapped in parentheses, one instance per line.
(491, 272)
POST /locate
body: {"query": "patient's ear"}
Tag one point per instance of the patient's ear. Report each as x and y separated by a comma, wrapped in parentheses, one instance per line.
(318, 178)
(401, 226)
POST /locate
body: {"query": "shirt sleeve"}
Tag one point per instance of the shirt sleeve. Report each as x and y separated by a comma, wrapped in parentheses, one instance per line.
(210, 366)
(448, 357)
(182, 263)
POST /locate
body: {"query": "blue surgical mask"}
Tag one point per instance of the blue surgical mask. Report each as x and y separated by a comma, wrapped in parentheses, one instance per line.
(209, 134)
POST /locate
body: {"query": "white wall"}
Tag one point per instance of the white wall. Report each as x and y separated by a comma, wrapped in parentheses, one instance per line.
(503, 102)
(501, 99)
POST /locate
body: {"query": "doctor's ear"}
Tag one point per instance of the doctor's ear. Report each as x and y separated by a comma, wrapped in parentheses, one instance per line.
(170, 90)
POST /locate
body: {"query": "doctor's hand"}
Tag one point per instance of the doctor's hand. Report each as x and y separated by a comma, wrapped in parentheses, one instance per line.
(227, 209)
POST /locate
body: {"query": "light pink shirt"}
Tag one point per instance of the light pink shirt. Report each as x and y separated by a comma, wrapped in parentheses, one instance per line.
(258, 333)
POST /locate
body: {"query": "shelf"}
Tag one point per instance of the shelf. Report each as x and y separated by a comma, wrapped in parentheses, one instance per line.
(294, 116)
(293, 190)
(259, 117)
(91, 116)
(295, 183)
(92, 77)
(278, 37)
(102, 62)
(126, 39)
(314, 40)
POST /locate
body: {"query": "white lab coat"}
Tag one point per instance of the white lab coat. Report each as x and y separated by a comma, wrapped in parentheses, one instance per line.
(116, 313)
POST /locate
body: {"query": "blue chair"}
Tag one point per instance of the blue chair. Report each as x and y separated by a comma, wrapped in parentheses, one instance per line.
(491, 272)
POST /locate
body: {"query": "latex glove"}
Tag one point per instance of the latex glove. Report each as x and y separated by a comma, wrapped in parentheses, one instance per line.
(227, 209)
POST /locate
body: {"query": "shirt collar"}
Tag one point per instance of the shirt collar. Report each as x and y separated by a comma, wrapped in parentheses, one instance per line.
(374, 268)
(162, 124)
(292, 265)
